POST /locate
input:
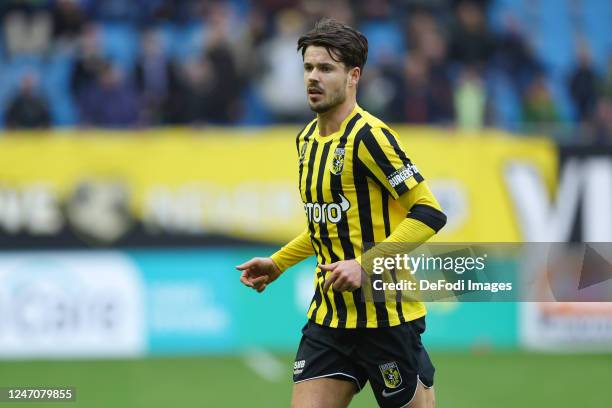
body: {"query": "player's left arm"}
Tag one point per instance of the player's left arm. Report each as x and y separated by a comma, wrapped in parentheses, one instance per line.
(382, 156)
(424, 218)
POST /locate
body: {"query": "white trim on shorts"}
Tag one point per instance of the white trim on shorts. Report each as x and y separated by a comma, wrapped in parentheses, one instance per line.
(415, 390)
(329, 375)
(422, 383)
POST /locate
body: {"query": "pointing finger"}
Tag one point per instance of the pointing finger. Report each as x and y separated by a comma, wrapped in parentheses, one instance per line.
(329, 280)
(247, 264)
(328, 267)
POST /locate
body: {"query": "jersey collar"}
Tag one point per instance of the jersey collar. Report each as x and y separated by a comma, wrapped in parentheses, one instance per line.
(337, 134)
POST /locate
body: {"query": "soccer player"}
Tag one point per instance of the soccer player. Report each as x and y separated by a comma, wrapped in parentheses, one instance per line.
(358, 187)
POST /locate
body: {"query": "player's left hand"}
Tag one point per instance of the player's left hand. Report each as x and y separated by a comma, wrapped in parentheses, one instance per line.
(344, 275)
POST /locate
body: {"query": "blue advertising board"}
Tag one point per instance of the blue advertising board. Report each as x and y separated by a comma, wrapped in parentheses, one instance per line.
(195, 303)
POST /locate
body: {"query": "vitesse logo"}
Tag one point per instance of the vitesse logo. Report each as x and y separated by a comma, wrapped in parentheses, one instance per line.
(391, 375)
(338, 161)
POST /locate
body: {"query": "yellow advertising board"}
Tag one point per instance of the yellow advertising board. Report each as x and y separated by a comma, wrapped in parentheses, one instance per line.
(239, 183)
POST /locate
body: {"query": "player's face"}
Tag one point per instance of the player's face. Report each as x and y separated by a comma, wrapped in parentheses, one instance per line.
(326, 80)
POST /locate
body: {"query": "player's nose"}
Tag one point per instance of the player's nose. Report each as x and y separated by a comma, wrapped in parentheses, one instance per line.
(313, 77)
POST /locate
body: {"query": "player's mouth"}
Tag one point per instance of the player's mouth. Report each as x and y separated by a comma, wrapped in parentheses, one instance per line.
(313, 92)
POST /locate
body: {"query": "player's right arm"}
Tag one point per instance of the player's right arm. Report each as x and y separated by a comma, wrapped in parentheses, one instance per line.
(259, 272)
(295, 251)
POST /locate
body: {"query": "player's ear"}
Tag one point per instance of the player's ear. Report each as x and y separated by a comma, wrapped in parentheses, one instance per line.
(354, 75)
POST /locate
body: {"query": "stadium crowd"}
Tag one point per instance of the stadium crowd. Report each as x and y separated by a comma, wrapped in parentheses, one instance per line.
(462, 63)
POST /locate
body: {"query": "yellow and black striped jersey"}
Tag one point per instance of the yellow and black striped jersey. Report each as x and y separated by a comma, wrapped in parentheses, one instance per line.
(349, 182)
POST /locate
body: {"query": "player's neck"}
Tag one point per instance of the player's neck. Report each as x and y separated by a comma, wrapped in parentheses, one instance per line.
(329, 122)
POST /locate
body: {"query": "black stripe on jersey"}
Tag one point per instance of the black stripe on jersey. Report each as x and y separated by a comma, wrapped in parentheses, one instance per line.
(433, 218)
(400, 153)
(365, 215)
(382, 161)
(385, 207)
(398, 298)
(310, 131)
(306, 136)
(345, 236)
(323, 232)
(297, 142)
(315, 241)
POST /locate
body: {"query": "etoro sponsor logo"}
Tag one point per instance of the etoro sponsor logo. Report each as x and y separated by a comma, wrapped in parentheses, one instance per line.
(326, 212)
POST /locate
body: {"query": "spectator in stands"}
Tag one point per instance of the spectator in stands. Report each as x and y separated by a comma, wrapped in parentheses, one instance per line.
(209, 85)
(110, 101)
(470, 99)
(602, 123)
(26, 26)
(68, 22)
(282, 85)
(116, 10)
(605, 86)
(602, 115)
(380, 91)
(209, 89)
(583, 85)
(377, 10)
(89, 62)
(155, 77)
(341, 10)
(195, 92)
(421, 23)
(514, 56)
(226, 84)
(434, 49)
(471, 42)
(250, 38)
(28, 109)
(539, 109)
(414, 101)
(178, 12)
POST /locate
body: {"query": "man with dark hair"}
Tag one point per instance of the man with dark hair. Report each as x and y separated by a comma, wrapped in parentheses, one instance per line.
(358, 187)
(28, 109)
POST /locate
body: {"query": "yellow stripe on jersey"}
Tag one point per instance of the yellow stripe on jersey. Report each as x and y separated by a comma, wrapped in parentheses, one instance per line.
(348, 182)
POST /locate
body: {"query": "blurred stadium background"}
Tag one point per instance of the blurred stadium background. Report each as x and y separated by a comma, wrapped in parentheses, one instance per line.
(147, 148)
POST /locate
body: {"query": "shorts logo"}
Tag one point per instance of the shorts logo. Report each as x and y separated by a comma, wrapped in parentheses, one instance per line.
(338, 161)
(298, 367)
(391, 375)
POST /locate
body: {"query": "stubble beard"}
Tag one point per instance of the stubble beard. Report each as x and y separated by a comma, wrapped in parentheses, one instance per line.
(335, 100)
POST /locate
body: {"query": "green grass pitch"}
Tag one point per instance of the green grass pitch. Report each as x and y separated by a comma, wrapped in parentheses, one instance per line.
(494, 379)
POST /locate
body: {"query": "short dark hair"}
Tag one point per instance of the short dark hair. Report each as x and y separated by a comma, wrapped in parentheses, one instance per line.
(340, 40)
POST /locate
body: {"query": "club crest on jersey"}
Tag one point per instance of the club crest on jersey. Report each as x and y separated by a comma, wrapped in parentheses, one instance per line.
(391, 374)
(303, 153)
(338, 161)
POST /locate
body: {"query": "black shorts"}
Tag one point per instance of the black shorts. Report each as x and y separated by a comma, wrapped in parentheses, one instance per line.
(393, 359)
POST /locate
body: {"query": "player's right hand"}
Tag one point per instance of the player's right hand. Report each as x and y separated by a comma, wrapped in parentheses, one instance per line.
(258, 273)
